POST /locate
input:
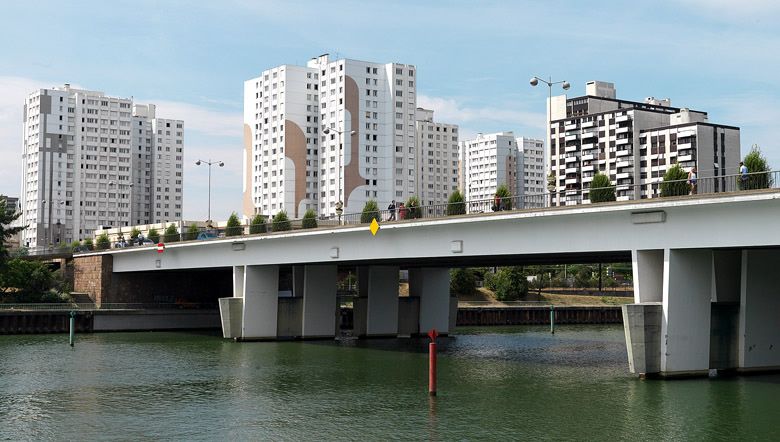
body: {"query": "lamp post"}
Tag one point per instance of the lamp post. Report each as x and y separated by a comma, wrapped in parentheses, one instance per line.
(565, 85)
(340, 203)
(209, 163)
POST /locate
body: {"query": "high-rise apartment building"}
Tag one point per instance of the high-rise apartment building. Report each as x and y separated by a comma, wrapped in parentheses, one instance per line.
(334, 131)
(488, 161)
(633, 143)
(437, 159)
(533, 173)
(89, 161)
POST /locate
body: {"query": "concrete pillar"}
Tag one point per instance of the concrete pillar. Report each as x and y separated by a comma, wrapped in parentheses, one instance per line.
(432, 286)
(382, 305)
(319, 301)
(685, 328)
(642, 326)
(759, 307)
(648, 269)
(261, 302)
(238, 281)
(726, 271)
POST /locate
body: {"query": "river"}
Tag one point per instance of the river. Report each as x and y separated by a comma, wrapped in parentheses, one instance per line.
(495, 383)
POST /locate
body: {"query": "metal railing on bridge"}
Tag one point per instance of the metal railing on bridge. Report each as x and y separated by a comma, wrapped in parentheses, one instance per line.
(577, 195)
(69, 306)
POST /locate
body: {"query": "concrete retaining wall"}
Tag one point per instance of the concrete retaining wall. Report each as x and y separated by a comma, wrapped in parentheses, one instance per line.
(538, 315)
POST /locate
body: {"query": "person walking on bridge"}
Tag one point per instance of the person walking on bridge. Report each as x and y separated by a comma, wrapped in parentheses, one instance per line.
(391, 208)
(743, 176)
(692, 180)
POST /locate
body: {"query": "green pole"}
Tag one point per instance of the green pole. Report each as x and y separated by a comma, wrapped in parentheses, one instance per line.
(552, 319)
(72, 326)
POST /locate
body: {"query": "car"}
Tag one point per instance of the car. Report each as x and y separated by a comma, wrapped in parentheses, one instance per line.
(207, 235)
(141, 241)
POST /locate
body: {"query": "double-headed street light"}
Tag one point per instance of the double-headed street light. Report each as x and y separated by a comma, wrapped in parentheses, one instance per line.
(340, 204)
(565, 85)
(209, 163)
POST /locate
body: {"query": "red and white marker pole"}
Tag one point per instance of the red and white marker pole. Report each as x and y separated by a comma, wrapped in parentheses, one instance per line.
(160, 247)
(432, 362)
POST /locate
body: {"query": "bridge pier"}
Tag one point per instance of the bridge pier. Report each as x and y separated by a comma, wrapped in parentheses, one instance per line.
(376, 309)
(759, 305)
(319, 301)
(432, 286)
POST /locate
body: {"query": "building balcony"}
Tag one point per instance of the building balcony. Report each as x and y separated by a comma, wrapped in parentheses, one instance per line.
(623, 152)
(574, 148)
(622, 130)
(569, 127)
(585, 146)
(587, 124)
(623, 175)
(588, 157)
(588, 168)
(621, 118)
(682, 158)
(587, 179)
(622, 140)
(624, 162)
(575, 169)
(572, 159)
(570, 181)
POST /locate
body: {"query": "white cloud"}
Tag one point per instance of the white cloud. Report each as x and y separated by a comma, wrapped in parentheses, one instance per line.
(204, 120)
(451, 111)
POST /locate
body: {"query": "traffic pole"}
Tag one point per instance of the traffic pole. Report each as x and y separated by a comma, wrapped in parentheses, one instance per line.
(432, 362)
(552, 319)
(72, 327)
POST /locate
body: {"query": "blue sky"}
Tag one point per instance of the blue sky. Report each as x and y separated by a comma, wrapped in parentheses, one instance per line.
(473, 60)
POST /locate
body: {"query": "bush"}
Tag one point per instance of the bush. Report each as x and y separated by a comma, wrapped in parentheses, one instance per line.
(102, 242)
(281, 222)
(309, 220)
(233, 227)
(134, 233)
(511, 284)
(601, 190)
(506, 198)
(675, 182)
(489, 280)
(153, 235)
(257, 225)
(413, 208)
(192, 232)
(756, 163)
(75, 245)
(462, 281)
(88, 244)
(171, 233)
(456, 204)
(370, 212)
(30, 281)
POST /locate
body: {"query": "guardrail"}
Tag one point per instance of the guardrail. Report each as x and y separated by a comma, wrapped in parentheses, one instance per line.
(577, 195)
(66, 306)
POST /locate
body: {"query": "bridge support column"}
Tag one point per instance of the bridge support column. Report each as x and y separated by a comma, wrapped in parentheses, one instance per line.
(319, 301)
(376, 310)
(685, 327)
(432, 286)
(261, 302)
(642, 320)
(648, 269)
(759, 328)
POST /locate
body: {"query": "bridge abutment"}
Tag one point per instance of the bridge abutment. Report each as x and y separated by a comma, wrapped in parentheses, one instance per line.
(759, 311)
(261, 302)
(432, 286)
(319, 301)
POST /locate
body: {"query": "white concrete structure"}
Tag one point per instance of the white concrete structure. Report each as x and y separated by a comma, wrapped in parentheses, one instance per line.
(533, 174)
(633, 143)
(437, 159)
(89, 161)
(687, 280)
(291, 164)
(489, 161)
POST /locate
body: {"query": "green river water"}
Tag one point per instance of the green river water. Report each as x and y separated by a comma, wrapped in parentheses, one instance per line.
(509, 383)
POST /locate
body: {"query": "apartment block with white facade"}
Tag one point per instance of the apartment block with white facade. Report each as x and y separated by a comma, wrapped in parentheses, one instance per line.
(622, 139)
(80, 165)
(437, 159)
(368, 152)
(488, 161)
(533, 174)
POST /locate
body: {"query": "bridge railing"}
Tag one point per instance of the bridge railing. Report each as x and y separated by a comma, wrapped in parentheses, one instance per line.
(576, 195)
(68, 306)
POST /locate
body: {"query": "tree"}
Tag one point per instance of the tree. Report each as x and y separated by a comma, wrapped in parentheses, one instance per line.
(506, 198)
(511, 284)
(88, 245)
(601, 189)
(134, 233)
(257, 225)
(171, 233)
(102, 242)
(30, 281)
(233, 227)
(281, 222)
(758, 168)
(7, 232)
(675, 182)
(153, 235)
(370, 212)
(462, 281)
(309, 219)
(456, 204)
(192, 232)
(413, 207)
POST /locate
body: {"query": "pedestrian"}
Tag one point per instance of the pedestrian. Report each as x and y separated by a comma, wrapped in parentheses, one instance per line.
(743, 175)
(391, 208)
(496, 203)
(402, 211)
(692, 180)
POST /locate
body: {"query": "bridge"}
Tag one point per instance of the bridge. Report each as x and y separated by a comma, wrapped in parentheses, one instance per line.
(705, 293)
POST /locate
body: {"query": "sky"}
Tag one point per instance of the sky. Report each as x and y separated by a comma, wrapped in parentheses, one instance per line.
(473, 59)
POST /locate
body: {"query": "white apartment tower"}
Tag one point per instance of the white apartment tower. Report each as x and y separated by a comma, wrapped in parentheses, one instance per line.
(89, 161)
(332, 131)
(633, 143)
(437, 159)
(533, 173)
(489, 161)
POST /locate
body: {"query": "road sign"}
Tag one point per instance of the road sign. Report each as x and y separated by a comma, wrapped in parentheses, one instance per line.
(160, 247)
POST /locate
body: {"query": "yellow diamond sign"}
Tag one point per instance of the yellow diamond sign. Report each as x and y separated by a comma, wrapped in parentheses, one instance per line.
(374, 226)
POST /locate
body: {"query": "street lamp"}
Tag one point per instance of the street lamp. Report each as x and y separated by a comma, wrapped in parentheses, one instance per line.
(565, 85)
(340, 203)
(209, 163)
